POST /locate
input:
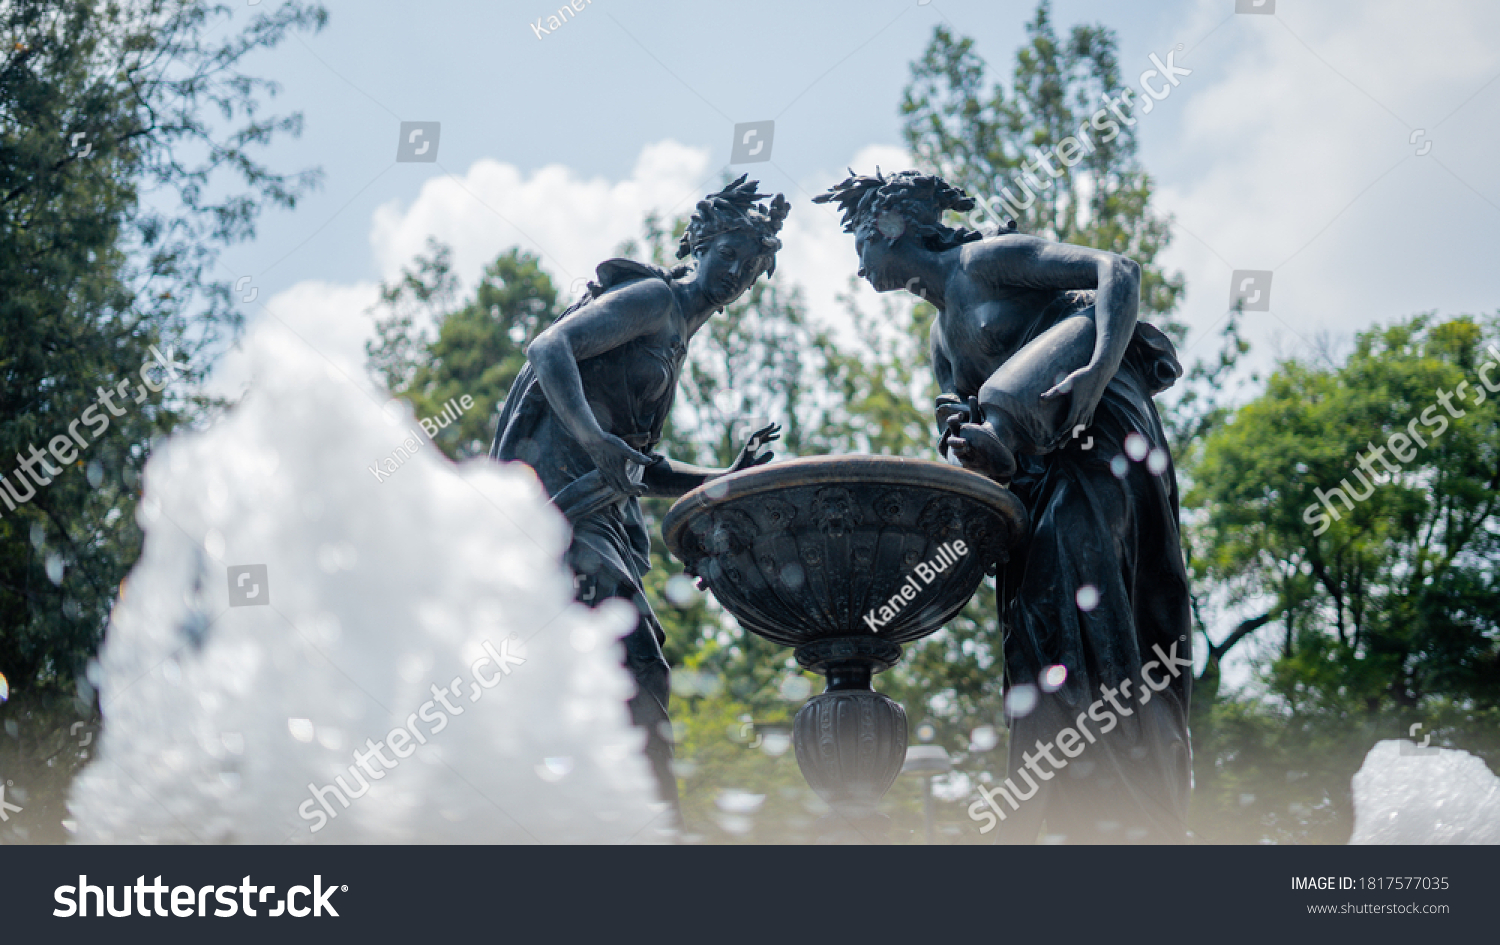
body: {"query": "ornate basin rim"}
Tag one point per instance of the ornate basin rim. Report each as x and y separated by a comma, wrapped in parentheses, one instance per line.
(846, 469)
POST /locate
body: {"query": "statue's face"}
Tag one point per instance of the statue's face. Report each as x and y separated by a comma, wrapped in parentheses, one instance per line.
(875, 242)
(728, 266)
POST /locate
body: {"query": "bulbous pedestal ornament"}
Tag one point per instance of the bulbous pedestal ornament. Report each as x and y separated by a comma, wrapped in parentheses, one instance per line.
(846, 558)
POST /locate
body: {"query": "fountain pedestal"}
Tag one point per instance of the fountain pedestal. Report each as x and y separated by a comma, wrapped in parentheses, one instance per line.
(846, 558)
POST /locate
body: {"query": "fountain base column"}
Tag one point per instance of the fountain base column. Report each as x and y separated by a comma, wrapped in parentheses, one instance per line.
(850, 740)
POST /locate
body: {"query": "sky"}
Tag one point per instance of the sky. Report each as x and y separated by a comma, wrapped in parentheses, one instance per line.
(1347, 147)
(1298, 145)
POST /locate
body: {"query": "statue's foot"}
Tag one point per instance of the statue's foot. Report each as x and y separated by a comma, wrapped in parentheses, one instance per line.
(978, 449)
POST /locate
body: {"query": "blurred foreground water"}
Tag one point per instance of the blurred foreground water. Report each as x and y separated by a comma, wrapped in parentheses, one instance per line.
(309, 652)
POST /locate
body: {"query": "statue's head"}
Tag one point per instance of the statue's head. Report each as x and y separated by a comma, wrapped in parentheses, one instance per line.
(732, 237)
(892, 215)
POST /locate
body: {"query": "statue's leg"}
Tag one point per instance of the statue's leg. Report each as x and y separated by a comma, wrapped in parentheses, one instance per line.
(652, 674)
(648, 707)
(1117, 536)
(1015, 418)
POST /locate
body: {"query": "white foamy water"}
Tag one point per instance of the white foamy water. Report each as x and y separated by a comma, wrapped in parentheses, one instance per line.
(219, 720)
(1403, 794)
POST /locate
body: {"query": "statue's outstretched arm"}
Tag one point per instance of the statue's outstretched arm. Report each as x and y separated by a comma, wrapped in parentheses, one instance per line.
(669, 478)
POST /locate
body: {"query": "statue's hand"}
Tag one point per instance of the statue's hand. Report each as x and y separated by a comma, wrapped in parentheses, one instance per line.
(1087, 387)
(612, 456)
(751, 455)
(949, 406)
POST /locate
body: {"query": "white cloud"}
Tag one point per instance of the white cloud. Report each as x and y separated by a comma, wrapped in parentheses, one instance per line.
(1298, 159)
(572, 223)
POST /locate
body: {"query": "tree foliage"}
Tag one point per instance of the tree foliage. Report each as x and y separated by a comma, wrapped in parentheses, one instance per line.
(1388, 615)
(980, 136)
(128, 134)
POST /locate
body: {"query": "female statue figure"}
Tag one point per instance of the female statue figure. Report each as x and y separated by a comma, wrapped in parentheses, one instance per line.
(1047, 378)
(589, 407)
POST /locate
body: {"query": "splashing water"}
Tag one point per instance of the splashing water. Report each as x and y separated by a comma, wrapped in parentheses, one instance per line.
(336, 606)
(1410, 794)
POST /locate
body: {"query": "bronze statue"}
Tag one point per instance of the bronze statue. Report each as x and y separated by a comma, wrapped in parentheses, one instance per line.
(589, 407)
(1047, 378)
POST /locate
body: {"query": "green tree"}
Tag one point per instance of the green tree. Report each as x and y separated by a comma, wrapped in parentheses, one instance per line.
(1389, 611)
(430, 350)
(981, 137)
(128, 134)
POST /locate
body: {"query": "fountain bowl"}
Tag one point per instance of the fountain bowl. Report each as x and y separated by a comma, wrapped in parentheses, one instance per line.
(805, 550)
(846, 558)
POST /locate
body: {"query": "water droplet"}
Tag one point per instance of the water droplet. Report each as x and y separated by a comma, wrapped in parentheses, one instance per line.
(775, 744)
(1119, 466)
(1053, 677)
(688, 683)
(553, 770)
(1137, 446)
(1087, 597)
(680, 590)
(716, 489)
(234, 742)
(213, 543)
(301, 729)
(54, 568)
(4, 688)
(333, 558)
(983, 738)
(793, 576)
(795, 688)
(734, 801)
(1156, 461)
(582, 639)
(38, 535)
(95, 473)
(312, 507)
(1020, 700)
(411, 667)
